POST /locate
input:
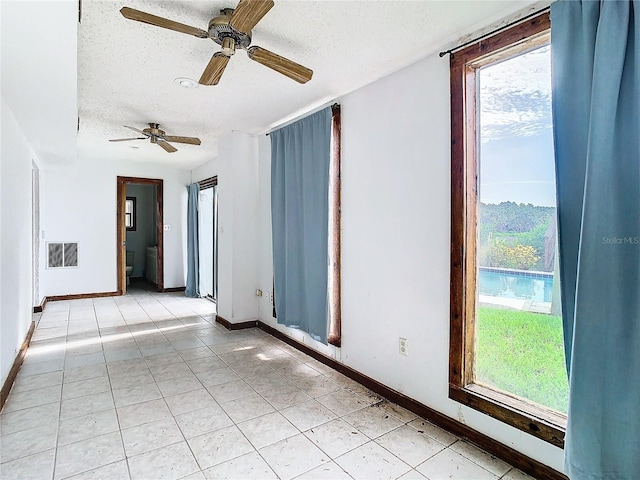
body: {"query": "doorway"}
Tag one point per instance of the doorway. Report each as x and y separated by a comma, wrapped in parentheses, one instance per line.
(208, 238)
(149, 260)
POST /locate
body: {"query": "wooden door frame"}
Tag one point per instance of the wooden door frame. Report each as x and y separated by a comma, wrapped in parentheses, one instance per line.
(121, 228)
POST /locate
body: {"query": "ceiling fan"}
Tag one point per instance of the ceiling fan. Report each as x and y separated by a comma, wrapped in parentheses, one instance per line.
(157, 136)
(231, 29)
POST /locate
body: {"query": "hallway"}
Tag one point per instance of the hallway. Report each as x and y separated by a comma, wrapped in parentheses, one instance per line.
(148, 386)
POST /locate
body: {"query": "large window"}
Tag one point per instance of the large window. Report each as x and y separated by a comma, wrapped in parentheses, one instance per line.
(506, 352)
(334, 313)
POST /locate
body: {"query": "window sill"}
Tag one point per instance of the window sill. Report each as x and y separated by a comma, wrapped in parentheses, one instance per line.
(534, 419)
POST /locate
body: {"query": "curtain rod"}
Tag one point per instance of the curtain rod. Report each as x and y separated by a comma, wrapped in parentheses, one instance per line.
(493, 32)
(333, 107)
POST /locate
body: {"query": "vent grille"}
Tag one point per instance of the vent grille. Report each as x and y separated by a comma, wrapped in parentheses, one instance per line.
(62, 254)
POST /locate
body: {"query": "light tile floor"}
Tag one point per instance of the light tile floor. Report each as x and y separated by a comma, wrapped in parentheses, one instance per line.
(148, 386)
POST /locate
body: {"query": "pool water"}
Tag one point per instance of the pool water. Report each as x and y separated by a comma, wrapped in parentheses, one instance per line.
(509, 284)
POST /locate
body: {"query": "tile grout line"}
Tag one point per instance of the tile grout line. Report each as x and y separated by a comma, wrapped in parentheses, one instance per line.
(55, 455)
(124, 451)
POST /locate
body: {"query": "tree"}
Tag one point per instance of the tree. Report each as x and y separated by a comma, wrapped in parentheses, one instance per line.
(521, 257)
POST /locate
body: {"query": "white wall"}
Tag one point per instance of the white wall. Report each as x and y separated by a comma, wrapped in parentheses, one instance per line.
(39, 74)
(237, 172)
(16, 241)
(395, 244)
(145, 233)
(207, 170)
(237, 227)
(80, 206)
(245, 219)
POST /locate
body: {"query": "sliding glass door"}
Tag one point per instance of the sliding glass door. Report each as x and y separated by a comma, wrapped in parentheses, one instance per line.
(208, 227)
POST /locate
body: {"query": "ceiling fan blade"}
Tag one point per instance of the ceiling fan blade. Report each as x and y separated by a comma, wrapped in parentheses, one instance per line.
(167, 147)
(127, 139)
(146, 135)
(248, 13)
(190, 140)
(280, 64)
(143, 17)
(214, 70)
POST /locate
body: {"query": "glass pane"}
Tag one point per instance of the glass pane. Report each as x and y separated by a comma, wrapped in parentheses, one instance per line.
(519, 338)
(128, 206)
(128, 220)
(70, 254)
(206, 221)
(55, 255)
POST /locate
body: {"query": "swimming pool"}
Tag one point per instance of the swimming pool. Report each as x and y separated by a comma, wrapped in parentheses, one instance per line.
(495, 282)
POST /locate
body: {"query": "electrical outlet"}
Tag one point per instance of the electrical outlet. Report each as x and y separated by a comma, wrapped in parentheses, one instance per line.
(404, 346)
(271, 297)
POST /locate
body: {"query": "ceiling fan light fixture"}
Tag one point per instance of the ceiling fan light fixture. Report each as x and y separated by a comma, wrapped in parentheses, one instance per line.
(186, 82)
(228, 46)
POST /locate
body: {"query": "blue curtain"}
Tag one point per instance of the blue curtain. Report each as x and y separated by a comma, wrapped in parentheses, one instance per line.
(300, 155)
(596, 115)
(193, 262)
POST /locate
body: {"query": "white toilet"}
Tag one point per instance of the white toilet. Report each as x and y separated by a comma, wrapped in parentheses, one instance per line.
(129, 269)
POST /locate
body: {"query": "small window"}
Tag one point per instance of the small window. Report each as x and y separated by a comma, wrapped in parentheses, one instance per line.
(506, 350)
(62, 254)
(130, 214)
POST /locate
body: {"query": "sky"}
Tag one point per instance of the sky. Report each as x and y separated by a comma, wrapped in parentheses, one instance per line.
(516, 148)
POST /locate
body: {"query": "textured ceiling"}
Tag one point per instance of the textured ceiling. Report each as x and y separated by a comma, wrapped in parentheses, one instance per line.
(126, 69)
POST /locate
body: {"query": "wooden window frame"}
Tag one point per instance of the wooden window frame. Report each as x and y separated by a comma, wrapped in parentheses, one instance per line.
(134, 224)
(335, 300)
(527, 416)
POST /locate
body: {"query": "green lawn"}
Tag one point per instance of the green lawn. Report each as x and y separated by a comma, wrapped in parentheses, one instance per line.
(522, 353)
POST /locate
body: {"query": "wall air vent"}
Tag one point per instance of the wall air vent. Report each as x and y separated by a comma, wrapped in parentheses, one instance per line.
(62, 254)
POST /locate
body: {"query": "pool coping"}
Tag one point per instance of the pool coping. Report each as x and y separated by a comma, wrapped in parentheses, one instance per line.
(516, 272)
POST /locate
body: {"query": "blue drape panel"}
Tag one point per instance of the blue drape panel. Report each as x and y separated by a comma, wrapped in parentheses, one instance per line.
(596, 110)
(300, 155)
(193, 262)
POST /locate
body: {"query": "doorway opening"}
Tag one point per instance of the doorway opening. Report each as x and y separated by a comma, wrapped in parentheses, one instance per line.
(208, 238)
(140, 239)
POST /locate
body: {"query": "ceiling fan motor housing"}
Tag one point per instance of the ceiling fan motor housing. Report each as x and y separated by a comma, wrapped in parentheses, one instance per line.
(225, 35)
(154, 131)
